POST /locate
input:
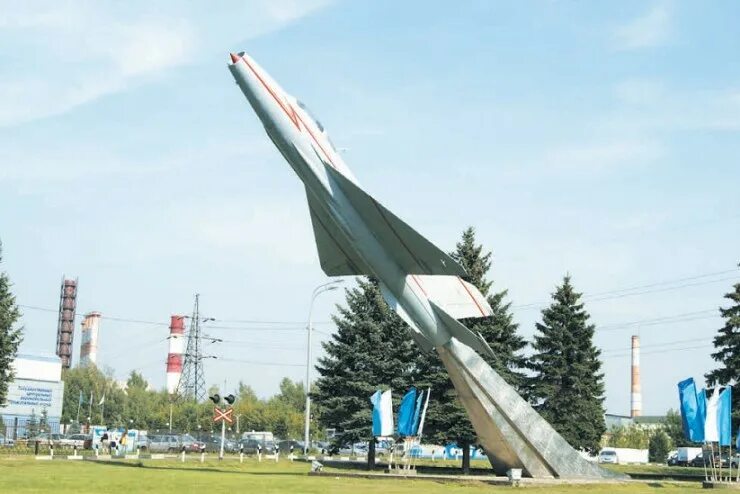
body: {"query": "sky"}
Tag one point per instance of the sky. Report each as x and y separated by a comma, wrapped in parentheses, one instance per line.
(584, 138)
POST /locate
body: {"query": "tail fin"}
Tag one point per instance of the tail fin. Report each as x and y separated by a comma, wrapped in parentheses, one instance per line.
(455, 296)
(462, 333)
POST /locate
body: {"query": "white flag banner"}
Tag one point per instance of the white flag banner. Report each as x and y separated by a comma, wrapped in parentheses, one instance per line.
(711, 431)
(386, 414)
(102, 400)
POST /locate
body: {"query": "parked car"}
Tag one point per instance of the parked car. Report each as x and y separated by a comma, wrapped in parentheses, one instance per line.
(190, 443)
(142, 441)
(47, 438)
(287, 443)
(163, 443)
(213, 444)
(75, 440)
(6, 442)
(608, 456)
(250, 446)
(707, 458)
(698, 461)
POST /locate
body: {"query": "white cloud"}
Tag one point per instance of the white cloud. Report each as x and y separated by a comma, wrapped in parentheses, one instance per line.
(74, 53)
(650, 29)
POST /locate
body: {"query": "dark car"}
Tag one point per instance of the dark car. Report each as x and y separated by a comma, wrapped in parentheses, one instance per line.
(250, 446)
(698, 461)
(286, 445)
(213, 444)
(708, 459)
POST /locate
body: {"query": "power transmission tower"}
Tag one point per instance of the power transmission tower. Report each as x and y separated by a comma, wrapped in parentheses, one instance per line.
(192, 382)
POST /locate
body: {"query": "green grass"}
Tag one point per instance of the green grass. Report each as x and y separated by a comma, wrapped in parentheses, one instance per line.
(23, 474)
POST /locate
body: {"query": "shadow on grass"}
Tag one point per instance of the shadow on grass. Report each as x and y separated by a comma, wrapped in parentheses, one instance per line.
(139, 464)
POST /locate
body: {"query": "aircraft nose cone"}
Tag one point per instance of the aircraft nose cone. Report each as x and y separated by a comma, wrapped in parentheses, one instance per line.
(234, 57)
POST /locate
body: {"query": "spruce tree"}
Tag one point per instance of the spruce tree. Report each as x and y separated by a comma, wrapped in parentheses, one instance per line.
(567, 387)
(727, 344)
(10, 336)
(370, 350)
(446, 418)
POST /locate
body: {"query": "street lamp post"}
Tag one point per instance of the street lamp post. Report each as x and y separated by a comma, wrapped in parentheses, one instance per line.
(332, 285)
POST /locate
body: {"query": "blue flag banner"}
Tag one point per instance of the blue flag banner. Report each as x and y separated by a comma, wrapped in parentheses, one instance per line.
(417, 411)
(406, 414)
(693, 425)
(724, 417)
(701, 401)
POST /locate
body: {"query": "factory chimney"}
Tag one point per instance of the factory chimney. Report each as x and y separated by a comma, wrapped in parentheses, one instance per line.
(66, 324)
(636, 395)
(89, 343)
(174, 358)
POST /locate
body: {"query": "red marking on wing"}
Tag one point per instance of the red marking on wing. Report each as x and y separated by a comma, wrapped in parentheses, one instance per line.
(419, 285)
(471, 296)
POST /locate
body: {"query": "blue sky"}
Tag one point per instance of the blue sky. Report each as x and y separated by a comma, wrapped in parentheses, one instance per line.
(593, 139)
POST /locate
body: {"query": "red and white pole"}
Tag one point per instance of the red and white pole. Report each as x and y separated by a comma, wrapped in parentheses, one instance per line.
(175, 357)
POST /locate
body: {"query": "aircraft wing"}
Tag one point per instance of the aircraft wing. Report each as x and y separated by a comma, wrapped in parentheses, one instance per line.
(414, 253)
(335, 259)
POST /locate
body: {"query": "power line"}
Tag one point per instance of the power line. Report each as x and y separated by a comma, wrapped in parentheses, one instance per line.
(251, 362)
(658, 321)
(628, 350)
(645, 288)
(663, 351)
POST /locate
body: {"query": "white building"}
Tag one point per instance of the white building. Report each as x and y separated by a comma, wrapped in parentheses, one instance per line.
(37, 386)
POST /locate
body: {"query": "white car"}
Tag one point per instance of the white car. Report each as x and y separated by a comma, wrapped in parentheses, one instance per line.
(7, 442)
(73, 440)
(608, 456)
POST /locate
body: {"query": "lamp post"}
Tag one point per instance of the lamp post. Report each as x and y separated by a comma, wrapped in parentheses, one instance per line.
(332, 285)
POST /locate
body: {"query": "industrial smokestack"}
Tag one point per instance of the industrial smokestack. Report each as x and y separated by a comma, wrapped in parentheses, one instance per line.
(66, 324)
(89, 343)
(636, 395)
(174, 358)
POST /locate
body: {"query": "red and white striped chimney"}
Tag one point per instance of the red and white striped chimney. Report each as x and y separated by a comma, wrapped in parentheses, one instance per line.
(174, 357)
(636, 394)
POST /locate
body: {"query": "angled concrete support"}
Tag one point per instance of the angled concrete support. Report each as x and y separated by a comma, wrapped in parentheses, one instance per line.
(512, 433)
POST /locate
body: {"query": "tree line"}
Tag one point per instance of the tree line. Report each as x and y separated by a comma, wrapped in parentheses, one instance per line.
(561, 377)
(94, 396)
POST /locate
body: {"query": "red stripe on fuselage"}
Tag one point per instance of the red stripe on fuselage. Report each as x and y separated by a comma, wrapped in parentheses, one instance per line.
(289, 111)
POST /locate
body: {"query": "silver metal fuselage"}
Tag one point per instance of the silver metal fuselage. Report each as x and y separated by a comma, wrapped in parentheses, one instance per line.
(291, 128)
(513, 434)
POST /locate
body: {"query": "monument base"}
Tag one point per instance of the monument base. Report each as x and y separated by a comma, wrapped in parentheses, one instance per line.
(512, 433)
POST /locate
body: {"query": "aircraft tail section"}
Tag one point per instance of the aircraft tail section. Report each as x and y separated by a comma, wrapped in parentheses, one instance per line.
(412, 251)
(461, 332)
(455, 296)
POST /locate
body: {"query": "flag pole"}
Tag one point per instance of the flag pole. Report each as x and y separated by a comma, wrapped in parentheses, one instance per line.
(79, 404)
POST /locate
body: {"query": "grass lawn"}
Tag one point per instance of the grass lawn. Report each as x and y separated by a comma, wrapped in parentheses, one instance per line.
(24, 474)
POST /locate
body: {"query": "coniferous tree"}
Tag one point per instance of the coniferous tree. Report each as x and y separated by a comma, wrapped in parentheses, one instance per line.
(446, 418)
(727, 344)
(371, 350)
(32, 425)
(10, 336)
(567, 387)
